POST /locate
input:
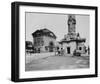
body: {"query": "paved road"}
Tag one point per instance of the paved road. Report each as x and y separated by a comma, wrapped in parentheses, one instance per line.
(58, 62)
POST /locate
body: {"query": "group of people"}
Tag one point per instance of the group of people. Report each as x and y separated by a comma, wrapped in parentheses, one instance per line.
(59, 52)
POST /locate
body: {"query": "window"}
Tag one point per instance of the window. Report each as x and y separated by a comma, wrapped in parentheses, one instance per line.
(80, 48)
(57, 48)
(38, 50)
(46, 48)
(51, 34)
(42, 42)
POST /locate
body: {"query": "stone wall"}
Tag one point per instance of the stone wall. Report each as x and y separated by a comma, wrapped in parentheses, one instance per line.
(72, 46)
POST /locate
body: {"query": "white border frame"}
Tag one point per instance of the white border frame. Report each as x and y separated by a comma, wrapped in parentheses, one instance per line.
(54, 73)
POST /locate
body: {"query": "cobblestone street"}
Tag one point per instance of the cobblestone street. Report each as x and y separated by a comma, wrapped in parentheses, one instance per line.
(58, 62)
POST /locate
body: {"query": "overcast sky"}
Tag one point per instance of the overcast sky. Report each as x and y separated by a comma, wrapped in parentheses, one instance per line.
(57, 23)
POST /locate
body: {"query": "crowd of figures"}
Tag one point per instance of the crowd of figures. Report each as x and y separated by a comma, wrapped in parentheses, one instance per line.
(60, 52)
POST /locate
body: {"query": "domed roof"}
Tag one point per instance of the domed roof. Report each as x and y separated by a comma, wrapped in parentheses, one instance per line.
(43, 32)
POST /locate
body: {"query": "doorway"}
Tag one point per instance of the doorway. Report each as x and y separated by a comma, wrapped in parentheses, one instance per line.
(68, 50)
(51, 46)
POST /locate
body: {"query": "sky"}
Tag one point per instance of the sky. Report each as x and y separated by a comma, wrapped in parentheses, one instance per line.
(57, 23)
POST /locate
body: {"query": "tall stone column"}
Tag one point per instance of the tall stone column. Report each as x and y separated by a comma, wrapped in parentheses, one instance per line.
(71, 26)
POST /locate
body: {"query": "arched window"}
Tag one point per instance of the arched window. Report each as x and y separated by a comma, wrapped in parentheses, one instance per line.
(51, 46)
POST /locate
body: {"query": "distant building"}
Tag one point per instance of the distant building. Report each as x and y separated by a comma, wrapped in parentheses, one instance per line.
(29, 46)
(72, 41)
(44, 40)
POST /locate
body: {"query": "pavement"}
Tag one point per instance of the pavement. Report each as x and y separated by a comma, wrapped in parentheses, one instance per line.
(58, 62)
(36, 56)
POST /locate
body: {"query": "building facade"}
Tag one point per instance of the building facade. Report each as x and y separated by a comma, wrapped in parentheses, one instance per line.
(72, 42)
(44, 41)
